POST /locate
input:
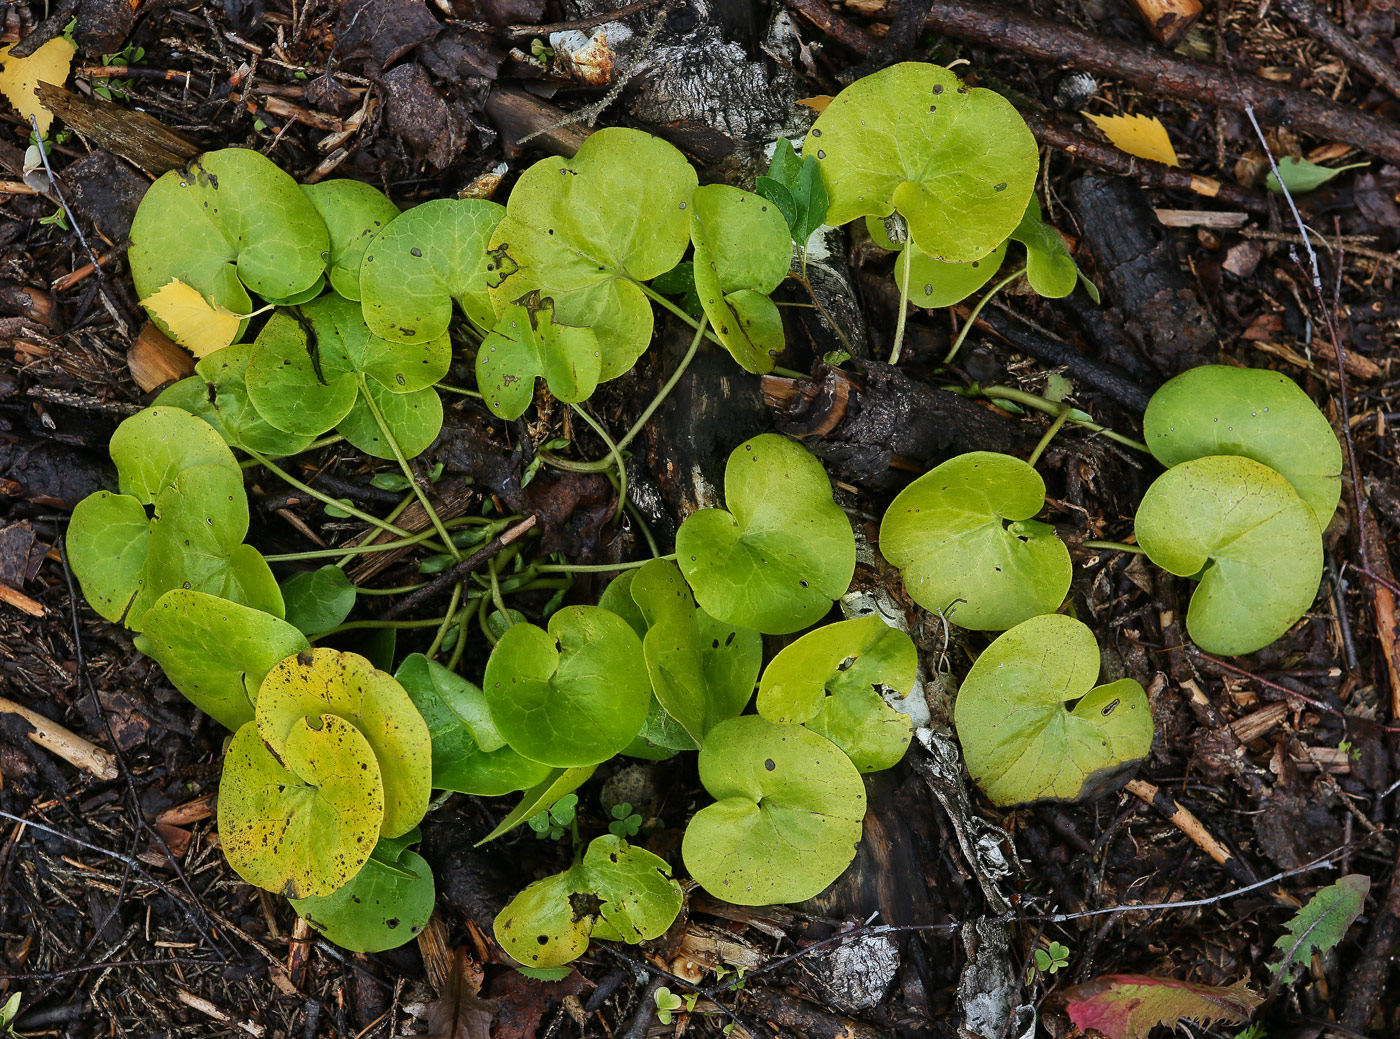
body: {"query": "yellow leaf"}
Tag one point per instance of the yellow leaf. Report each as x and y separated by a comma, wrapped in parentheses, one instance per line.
(816, 104)
(18, 77)
(1139, 135)
(196, 324)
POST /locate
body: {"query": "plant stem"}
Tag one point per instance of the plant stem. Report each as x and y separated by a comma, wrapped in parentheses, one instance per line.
(428, 622)
(394, 514)
(802, 280)
(326, 499)
(393, 442)
(972, 317)
(482, 606)
(463, 621)
(613, 452)
(903, 308)
(459, 390)
(1055, 427)
(352, 551)
(592, 568)
(1079, 418)
(401, 590)
(447, 621)
(656, 297)
(642, 525)
(1115, 546)
(496, 596)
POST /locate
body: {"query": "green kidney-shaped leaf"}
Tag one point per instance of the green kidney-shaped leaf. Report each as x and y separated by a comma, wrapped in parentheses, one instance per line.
(958, 164)
(107, 548)
(831, 680)
(541, 797)
(527, 342)
(963, 535)
(1222, 410)
(433, 255)
(230, 217)
(413, 419)
(786, 818)
(1034, 727)
(385, 905)
(1049, 267)
(938, 283)
(1256, 540)
(318, 600)
(354, 213)
(571, 696)
(743, 249)
(616, 892)
(470, 755)
(781, 553)
(217, 652)
(304, 821)
(583, 230)
(325, 683)
(154, 446)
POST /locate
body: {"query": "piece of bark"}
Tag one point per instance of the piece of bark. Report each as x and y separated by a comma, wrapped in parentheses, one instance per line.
(155, 360)
(876, 421)
(1135, 259)
(141, 138)
(1169, 20)
(519, 114)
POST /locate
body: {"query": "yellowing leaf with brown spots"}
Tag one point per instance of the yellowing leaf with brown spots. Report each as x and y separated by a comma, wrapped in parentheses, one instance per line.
(1139, 135)
(191, 320)
(18, 77)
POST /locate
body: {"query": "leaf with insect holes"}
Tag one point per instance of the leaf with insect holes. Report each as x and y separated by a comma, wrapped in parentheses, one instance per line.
(1322, 923)
(191, 320)
(957, 163)
(1130, 1006)
(354, 213)
(1139, 135)
(1021, 740)
(385, 905)
(616, 892)
(526, 342)
(49, 63)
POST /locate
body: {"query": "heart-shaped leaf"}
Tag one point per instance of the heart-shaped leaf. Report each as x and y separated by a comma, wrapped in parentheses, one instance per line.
(786, 818)
(1049, 267)
(957, 163)
(571, 696)
(1222, 410)
(470, 755)
(318, 600)
(383, 906)
(584, 230)
(413, 419)
(304, 821)
(541, 797)
(743, 250)
(938, 283)
(1033, 725)
(832, 681)
(616, 892)
(217, 652)
(107, 542)
(527, 342)
(782, 553)
(154, 446)
(354, 213)
(425, 260)
(327, 682)
(1255, 538)
(963, 535)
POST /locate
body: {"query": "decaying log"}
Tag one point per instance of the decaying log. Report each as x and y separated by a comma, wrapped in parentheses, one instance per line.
(141, 138)
(1169, 20)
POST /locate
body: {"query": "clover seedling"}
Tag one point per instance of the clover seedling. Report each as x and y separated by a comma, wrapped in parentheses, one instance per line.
(1258, 414)
(527, 342)
(425, 260)
(217, 652)
(318, 600)
(782, 553)
(469, 755)
(231, 219)
(354, 212)
(625, 822)
(831, 680)
(796, 187)
(573, 695)
(743, 250)
(786, 818)
(1033, 725)
(383, 906)
(615, 892)
(964, 537)
(585, 230)
(559, 783)
(957, 163)
(1254, 542)
(550, 824)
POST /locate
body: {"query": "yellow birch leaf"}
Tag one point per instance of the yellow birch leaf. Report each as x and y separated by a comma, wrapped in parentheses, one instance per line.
(1139, 135)
(51, 63)
(196, 324)
(816, 104)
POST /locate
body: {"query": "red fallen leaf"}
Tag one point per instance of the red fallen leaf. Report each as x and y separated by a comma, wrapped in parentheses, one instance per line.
(1128, 1006)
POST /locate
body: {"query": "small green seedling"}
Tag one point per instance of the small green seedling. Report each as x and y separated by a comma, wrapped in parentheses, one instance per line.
(354, 212)
(1223, 410)
(1320, 925)
(584, 231)
(616, 892)
(831, 680)
(786, 818)
(667, 1003)
(1049, 267)
(557, 784)
(796, 187)
(1022, 739)
(526, 342)
(383, 906)
(552, 823)
(1254, 543)
(782, 553)
(1053, 959)
(742, 253)
(469, 755)
(963, 536)
(8, 1013)
(625, 822)
(957, 163)
(571, 696)
(231, 219)
(318, 600)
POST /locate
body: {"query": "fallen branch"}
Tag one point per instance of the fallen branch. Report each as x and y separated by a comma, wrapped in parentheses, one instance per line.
(69, 746)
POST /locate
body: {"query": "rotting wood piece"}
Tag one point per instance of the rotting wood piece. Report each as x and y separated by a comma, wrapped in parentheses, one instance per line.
(1169, 20)
(876, 420)
(141, 138)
